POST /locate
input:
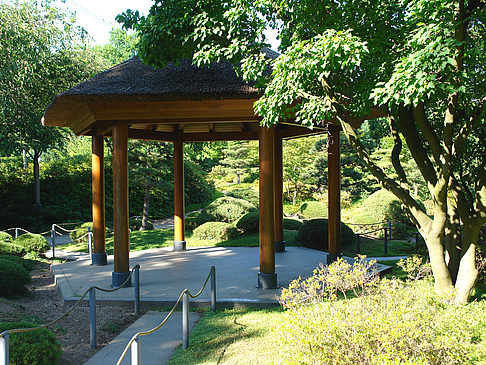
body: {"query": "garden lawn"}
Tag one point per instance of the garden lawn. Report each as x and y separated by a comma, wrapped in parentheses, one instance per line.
(376, 248)
(144, 240)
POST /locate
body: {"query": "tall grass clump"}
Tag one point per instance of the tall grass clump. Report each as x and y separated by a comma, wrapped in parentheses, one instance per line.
(344, 314)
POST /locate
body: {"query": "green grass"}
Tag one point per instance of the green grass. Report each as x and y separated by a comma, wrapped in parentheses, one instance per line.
(376, 248)
(144, 240)
(233, 337)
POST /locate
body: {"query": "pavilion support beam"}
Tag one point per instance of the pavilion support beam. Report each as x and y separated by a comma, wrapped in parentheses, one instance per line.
(179, 237)
(98, 256)
(120, 205)
(278, 179)
(267, 277)
(334, 193)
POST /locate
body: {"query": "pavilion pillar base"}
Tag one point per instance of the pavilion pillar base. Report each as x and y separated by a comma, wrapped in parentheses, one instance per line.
(280, 246)
(331, 257)
(118, 278)
(267, 281)
(99, 259)
(179, 245)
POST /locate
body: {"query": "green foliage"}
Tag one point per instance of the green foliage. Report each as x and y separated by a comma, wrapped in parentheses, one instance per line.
(314, 234)
(135, 223)
(383, 206)
(13, 277)
(12, 249)
(228, 209)
(121, 47)
(32, 243)
(237, 159)
(249, 223)
(38, 347)
(27, 264)
(292, 224)
(81, 230)
(5, 237)
(414, 267)
(313, 209)
(218, 231)
(248, 194)
(194, 219)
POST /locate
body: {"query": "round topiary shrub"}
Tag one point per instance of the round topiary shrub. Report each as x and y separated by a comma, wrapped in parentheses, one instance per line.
(13, 277)
(5, 237)
(32, 243)
(38, 347)
(27, 264)
(248, 194)
(195, 219)
(292, 224)
(12, 249)
(218, 231)
(314, 234)
(228, 209)
(382, 206)
(135, 223)
(82, 230)
(313, 209)
(248, 223)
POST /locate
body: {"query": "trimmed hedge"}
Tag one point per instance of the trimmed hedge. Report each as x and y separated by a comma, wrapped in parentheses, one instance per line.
(32, 242)
(292, 224)
(313, 209)
(39, 347)
(219, 231)
(248, 194)
(5, 237)
(135, 223)
(12, 249)
(195, 219)
(384, 206)
(228, 209)
(13, 277)
(249, 223)
(314, 234)
(27, 264)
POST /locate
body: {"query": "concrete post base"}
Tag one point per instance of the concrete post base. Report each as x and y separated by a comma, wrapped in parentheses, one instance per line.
(118, 278)
(267, 281)
(99, 259)
(179, 245)
(280, 246)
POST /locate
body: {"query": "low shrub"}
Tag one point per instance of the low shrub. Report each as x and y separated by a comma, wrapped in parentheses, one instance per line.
(219, 231)
(81, 230)
(32, 243)
(27, 264)
(249, 223)
(386, 322)
(12, 249)
(313, 209)
(228, 209)
(382, 206)
(5, 237)
(13, 277)
(314, 234)
(292, 224)
(248, 194)
(135, 223)
(39, 347)
(195, 219)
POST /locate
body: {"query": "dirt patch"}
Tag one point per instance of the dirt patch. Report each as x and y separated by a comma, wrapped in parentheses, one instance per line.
(44, 302)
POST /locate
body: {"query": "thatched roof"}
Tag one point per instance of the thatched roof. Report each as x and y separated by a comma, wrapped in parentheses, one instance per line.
(133, 81)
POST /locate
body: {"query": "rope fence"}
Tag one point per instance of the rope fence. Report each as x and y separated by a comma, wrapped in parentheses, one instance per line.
(4, 336)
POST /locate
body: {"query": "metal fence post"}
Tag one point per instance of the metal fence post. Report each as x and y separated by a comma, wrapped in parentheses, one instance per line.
(386, 241)
(53, 239)
(135, 352)
(16, 232)
(213, 288)
(136, 277)
(90, 241)
(4, 342)
(185, 321)
(92, 317)
(389, 230)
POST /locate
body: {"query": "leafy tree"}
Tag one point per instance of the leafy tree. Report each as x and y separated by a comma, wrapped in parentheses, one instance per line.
(419, 63)
(237, 159)
(121, 47)
(39, 58)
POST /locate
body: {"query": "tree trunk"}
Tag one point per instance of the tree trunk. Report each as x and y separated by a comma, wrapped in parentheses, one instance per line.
(443, 282)
(146, 205)
(24, 159)
(237, 178)
(468, 273)
(294, 197)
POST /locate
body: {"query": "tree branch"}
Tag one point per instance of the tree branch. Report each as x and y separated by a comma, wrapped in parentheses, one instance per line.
(397, 149)
(427, 131)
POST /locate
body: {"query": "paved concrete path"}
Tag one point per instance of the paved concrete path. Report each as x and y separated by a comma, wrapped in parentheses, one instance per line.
(155, 349)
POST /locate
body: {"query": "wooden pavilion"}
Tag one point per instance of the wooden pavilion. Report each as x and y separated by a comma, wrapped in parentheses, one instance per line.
(178, 104)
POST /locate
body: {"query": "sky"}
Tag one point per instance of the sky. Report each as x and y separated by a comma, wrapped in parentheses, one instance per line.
(97, 17)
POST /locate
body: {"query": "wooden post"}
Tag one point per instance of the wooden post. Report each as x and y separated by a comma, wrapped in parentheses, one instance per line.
(267, 278)
(120, 204)
(278, 221)
(334, 193)
(98, 204)
(179, 237)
